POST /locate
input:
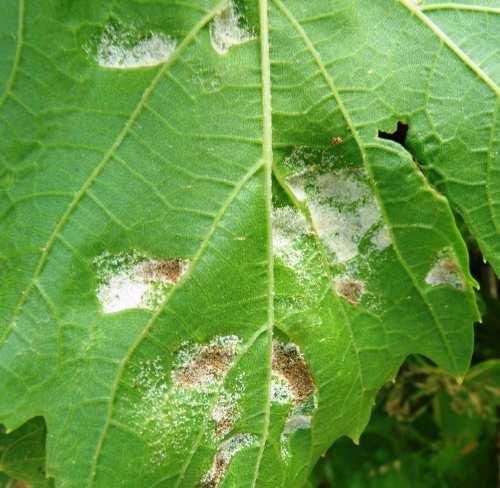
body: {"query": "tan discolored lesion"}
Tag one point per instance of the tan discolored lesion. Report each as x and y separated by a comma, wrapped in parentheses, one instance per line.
(349, 289)
(165, 270)
(207, 364)
(289, 364)
(227, 450)
(446, 271)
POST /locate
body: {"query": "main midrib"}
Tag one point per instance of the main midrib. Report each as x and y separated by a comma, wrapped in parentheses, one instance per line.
(267, 156)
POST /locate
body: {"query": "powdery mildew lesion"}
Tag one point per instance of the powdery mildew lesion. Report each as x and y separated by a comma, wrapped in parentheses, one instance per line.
(341, 202)
(446, 271)
(381, 238)
(132, 280)
(173, 406)
(227, 450)
(292, 383)
(289, 229)
(227, 30)
(121, 47)
(294, 250)
(204, 366)
(349, 288)
(345, 217)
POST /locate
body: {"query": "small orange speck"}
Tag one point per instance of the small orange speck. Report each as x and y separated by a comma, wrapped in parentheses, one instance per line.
(337, 140)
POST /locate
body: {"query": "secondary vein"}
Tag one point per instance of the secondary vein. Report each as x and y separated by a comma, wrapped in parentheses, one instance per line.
(17, 57)
(102, 163)
(452, 46)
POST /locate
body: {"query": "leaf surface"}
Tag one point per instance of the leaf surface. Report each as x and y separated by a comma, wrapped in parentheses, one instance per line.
(22, 455)
(210, 260)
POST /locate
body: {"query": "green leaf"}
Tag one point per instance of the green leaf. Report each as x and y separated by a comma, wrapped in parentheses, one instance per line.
(210, 261)
(22, 454)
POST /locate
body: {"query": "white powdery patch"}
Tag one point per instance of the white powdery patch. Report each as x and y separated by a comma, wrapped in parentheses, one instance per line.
(166, 416)
(123, 292)
(446, 271)
(288, 226)
(131, 281)
(341, 202)
(225, 413)
(342, 230)
(281, 392)
(297, 184)
(173, 408)
(381, 239)
(226, 31)
(227, 450)
(293, 424)
(123, 48)
(292, 384)
(342, 186)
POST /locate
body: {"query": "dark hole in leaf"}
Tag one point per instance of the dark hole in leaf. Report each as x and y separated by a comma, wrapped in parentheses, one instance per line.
(399, 135)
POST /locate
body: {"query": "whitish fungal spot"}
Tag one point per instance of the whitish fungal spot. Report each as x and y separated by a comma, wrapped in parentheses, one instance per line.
(226, 30)
(289, 226)
(203, 366)
(297, 184)
(343, 186)
(293, 424)
(342, 229)
(349, 288)
(381, 239)
(173, 408)
(134, 281)
(292, 383)
(227, 450)
(446, 271)
(165, 416)
(281, 392)
(125, 48)
(225, 413)
(341, 202)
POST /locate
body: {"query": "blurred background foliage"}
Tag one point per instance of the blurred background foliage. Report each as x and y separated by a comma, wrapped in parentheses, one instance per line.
(427, 430)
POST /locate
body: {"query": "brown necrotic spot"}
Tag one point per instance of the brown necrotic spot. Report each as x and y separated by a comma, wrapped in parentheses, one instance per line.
(349, 289)
(167, 270)
(227, 450)
(204, 365)
(289, 364)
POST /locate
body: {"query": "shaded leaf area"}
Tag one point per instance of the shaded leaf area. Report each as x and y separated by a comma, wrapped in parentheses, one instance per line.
(22, 456)
(210, 262)
(435, 433)
(428, 430)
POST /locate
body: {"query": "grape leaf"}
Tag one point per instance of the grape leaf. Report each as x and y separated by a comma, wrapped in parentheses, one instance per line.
(210, 259)
(22, 455)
